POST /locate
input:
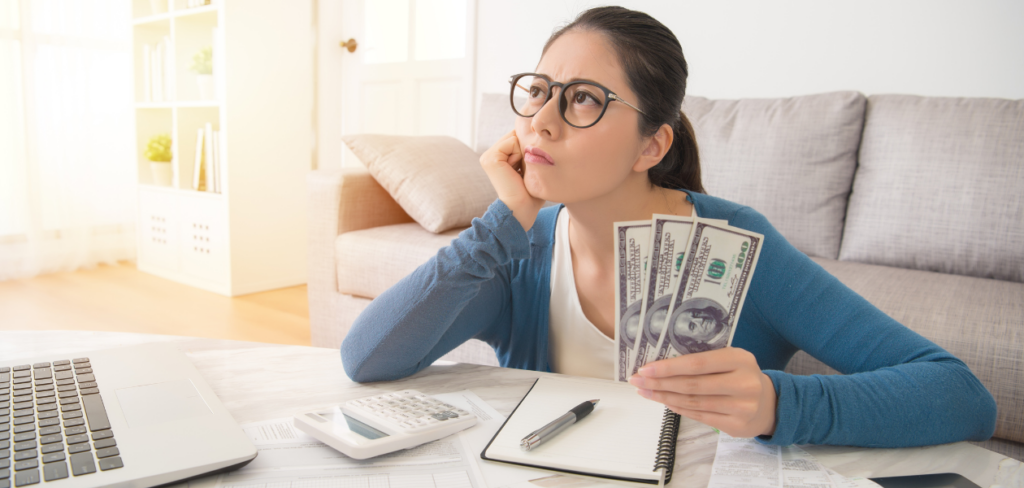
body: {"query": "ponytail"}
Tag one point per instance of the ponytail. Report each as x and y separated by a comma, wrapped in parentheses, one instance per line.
(680, 168)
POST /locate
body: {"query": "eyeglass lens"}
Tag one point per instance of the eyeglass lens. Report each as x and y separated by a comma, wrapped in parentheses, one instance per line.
(583, 102)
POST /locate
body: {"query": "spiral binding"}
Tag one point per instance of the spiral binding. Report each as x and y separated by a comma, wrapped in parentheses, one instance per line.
(666, 458)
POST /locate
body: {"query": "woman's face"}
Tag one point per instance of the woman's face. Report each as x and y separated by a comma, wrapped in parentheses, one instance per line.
(585, 163)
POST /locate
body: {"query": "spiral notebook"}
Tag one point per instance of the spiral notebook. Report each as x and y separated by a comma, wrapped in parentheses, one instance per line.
(626, 437)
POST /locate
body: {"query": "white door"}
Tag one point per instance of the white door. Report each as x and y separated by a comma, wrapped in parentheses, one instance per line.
(411, 73)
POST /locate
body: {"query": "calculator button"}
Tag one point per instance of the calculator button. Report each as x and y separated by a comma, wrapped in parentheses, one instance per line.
(55, 471)
(53, 457)
(82, 463)
(108, 452)
(23, 455)
(49, 430)
(31, 463)
(111, 463)
(75, 430)
(77, 439)
(103, 434)
(26, 478)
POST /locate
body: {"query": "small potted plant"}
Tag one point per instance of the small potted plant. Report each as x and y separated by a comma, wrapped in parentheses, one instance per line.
(202, 66)
(158, 152)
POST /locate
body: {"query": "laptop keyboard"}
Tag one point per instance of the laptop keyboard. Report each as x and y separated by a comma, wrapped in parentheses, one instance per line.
(53, 424)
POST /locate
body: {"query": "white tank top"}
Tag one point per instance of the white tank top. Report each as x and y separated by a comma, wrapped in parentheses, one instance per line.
(575, 345)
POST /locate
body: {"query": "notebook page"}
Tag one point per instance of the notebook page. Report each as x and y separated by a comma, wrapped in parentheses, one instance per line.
(619, 438)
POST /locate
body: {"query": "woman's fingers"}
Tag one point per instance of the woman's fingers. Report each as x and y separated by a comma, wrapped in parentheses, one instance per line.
(509, 146)
(708, 362)
(503, 165)
(730, 383)
(725, 423)
(743, 407)
(724, 388)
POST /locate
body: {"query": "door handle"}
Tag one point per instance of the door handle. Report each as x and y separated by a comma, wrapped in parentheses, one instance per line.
(350, 44)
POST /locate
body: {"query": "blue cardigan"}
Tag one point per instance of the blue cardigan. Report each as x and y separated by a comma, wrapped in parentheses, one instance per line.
(897, 389)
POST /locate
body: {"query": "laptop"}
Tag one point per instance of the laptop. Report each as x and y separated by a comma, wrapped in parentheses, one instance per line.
(133, 417)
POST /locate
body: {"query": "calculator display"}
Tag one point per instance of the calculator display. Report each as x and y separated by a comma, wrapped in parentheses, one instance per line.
(342, 421)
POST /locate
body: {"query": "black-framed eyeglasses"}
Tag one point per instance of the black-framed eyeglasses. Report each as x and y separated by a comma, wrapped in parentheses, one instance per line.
(581, 103)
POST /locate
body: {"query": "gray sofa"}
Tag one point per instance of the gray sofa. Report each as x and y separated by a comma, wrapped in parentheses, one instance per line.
(916, 203)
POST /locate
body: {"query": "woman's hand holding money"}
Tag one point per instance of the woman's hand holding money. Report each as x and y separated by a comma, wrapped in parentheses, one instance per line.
(505, 167)
(723, 388)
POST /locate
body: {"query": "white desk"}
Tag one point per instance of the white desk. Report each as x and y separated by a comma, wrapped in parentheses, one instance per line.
(262, 381)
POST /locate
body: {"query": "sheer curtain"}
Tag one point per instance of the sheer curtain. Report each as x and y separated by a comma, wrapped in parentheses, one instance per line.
(67, 174)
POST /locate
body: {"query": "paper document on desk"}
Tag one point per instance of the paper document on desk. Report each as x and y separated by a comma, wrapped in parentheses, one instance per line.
(747, 463)
(289, 457)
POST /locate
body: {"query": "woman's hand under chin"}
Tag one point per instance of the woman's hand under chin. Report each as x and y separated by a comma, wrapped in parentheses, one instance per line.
(502, 163)
(723, 388)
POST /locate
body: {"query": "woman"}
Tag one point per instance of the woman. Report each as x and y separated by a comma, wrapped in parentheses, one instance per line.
(537, 283)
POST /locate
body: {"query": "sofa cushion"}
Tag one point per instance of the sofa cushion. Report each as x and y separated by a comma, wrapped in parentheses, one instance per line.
(980, 321)
(792, 159)
(437, 180)
(372, 260)
(940, 187)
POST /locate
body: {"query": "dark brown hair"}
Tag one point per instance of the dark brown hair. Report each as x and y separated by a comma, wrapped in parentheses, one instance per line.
(656, 71)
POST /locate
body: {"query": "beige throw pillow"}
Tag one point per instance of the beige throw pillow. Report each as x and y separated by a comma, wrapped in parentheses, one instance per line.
(437, 180)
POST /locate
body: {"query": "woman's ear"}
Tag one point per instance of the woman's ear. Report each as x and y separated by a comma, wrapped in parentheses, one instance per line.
(656, 148)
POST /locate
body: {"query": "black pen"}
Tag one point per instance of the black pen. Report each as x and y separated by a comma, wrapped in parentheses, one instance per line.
(552, 429)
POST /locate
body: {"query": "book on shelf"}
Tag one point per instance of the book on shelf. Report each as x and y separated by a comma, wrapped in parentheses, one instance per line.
(147, 73)
(208, 157)
(206, 173)
(216, 161)
(157, 76)
(198, 180)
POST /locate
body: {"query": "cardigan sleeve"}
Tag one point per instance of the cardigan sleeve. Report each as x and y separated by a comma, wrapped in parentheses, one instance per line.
(897, 389)
(462, 292)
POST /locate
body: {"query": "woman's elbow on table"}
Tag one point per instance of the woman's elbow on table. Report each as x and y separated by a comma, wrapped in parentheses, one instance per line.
(365, 363)
(986, 413)
(970, 409)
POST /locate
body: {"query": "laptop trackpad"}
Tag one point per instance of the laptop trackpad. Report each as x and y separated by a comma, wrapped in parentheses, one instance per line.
(161, 402)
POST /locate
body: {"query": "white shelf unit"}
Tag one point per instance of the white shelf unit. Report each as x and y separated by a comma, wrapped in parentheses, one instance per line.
(250, 237)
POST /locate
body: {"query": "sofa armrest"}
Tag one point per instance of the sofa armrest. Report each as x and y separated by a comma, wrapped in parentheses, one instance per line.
(342, 201)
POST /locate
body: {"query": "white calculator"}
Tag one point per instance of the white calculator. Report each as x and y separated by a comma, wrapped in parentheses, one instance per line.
(371, 426)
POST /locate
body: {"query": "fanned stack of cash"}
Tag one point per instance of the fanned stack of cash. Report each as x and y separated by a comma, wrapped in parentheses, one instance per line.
(680, 284)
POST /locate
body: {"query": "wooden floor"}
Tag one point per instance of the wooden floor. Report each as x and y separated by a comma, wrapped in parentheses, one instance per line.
(124, 299)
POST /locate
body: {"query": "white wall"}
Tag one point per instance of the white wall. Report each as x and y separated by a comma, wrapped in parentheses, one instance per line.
(755, 48)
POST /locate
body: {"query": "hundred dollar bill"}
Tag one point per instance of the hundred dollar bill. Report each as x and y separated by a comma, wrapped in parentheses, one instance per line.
(668, 241)
(708, 299)
(631, 247)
